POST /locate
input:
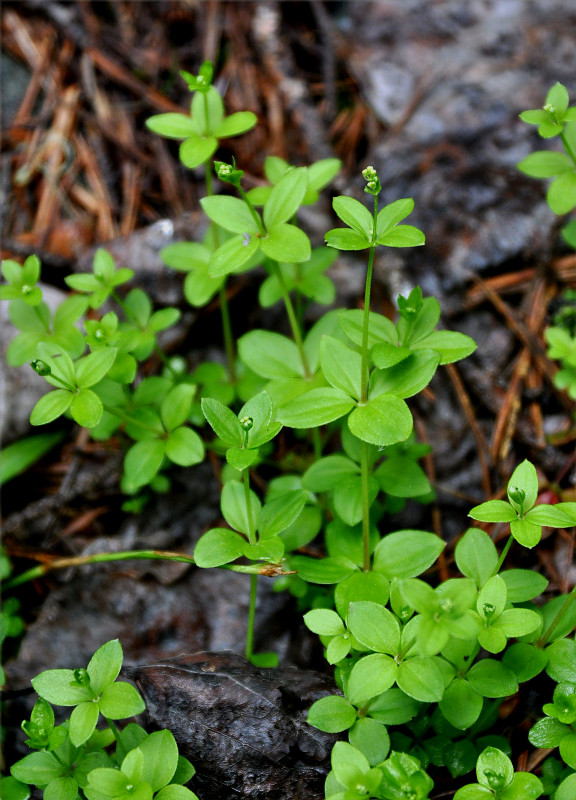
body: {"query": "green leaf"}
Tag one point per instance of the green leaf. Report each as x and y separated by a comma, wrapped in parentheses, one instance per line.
(545, 164)
(408, 377)
(402, 236)
(38, 769)
(324, 622)
(184, 447)
(174, 791)
(492, 679)
(143, 461)
(241, 459)
(261, 411)
(317, 407)
(561, 195)
(548, 732)
(549, 515)
(332, 714)
(562, 660)
(346, 239)
(218, 546)
(525, 661)
(523, 584)
(17, 457)
(326, 473)
(54, 685)
(164, 318)
(360, 586)
(493, 511)
(567, 789)
(407, 553)
(286, 243)
(392, 214)
(176, 405)
(50, 407)
(341, 366)
(384, 420)
(235, 510)
(461, 705)
(196, 150)
(83, 721)
(380, 328)
(421, 679)
(321, 172)
(270, 355)
(279, 514)
(518, 622)
(476, 556)
(235, 124)
(402, 477)
(285, 199)
(105, 665)
(371, 738)
(452, 345)
(120, 700)
(526, 533)
(61, 789)
(223, 422)
(374, 627)
(525, 479)
(347, 499)
(160, 758)
(355, 215)
(370, 676)
(232, 255)
(230, 213)
(86, 408)
(108, 782)
(323, 571)
(171, 125)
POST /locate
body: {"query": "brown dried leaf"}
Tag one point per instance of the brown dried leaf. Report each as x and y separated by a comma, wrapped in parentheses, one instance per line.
(243, 728)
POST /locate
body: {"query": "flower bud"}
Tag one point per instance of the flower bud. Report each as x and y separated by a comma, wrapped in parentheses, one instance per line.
(246, 423)
(40, 367)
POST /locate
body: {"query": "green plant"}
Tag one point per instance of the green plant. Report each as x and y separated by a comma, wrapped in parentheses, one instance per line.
(76, 758)
(418, 685)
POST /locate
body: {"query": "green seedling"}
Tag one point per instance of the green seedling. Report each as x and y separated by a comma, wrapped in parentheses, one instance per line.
(74, 759)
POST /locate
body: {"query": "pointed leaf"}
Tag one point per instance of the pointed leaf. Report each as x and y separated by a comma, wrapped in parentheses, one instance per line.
(384, 420)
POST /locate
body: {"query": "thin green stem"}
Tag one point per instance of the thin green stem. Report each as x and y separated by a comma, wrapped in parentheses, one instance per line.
(557, 619)
(317, 441)
(224, 307)
(252, 210)
(365, 507)
(249, 650)
(129, 555)
(165, 360)
(65, 384)
(568, 147)
(296, 333)
(253, 578)
(113, 728)
(503, 554)
(366, 320)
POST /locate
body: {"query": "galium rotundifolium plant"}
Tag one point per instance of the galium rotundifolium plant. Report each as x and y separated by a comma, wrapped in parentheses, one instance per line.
(88, 755)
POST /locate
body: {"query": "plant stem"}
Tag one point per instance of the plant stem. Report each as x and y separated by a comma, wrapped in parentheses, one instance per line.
(557, 619)
(568, 148)
(365, 507)
(65, 384)
(249, 650)
(113, 728)
(224, 308)
(129, 555)
(297, 335)
(366, 321)
(364, 385)
(253, 578)
(252, 210)
(503, 554)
